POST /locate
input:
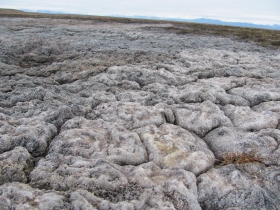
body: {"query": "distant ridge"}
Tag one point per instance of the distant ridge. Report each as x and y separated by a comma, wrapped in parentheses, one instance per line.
(199, 20)
(208, 21)
(44, 11)
(240, 24)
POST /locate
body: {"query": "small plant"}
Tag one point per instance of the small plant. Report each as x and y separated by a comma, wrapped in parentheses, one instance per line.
(235, 158)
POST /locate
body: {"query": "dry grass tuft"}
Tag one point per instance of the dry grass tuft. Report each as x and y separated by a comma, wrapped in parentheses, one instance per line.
(238, 159)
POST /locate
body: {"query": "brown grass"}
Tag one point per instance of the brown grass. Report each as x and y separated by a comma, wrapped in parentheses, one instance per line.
(238, 159)
(264, 37)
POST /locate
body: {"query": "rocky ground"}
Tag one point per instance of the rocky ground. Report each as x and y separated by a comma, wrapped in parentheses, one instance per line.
(98, 115)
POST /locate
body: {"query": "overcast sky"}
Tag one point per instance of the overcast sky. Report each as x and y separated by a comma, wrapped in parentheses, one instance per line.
(252, 11)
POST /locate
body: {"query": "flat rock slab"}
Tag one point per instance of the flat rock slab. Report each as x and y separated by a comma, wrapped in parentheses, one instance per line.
(246, 119)
(172, 147)
(200, 118)
(228, 182)
(108, 115)
(15, 165)
(263, 145)
(22, 196)
(99, 139)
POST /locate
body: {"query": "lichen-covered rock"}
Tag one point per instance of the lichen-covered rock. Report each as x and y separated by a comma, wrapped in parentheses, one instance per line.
(144, 76)
(200, 118)
(228, 187)
(248, 120)
(100, 97)
(273, 106)
(203, 91)
(143, 97)
(114, 186)
(172, 147)
(131, 115)
(256, 95)
(227, 83)
(15, 165)
(33, 134)
(99, 139)
(159, 189)
(65, 173)
(22, 196)
(263, 145)
(108, 115)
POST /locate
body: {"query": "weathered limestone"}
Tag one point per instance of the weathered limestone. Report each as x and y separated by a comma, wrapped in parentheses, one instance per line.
(172, 147)
(22, 196)
(263, 144)
(246, 119)
(30, 133)
(106, 115)
(98, 139)
(200, 118)
(132, 115)
(228, 187)
(257, 95)
(15, 165)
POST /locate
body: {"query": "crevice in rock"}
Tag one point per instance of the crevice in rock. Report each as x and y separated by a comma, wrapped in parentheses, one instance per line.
(29, 169)
(145, 147)
(237, 86)
(130, 192)
(62, 81)
(256, 104)
(212, 129)
(276, 148)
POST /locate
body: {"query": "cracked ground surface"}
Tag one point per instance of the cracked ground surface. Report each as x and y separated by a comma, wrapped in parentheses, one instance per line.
(99, 115)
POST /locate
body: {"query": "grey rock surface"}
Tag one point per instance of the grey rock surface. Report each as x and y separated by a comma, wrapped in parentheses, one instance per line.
(229, 187)
(264, 144)
(200, 118)
(170, 146)
(107, 115)
(21, 196)
(15, 165)
(246, 119)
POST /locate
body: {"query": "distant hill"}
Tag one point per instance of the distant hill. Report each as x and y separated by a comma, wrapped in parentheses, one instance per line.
(44, 11)
(208, 21)
(240, 24)
(199, 20)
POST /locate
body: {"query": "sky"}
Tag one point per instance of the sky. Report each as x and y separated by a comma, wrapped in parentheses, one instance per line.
(250, 11)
